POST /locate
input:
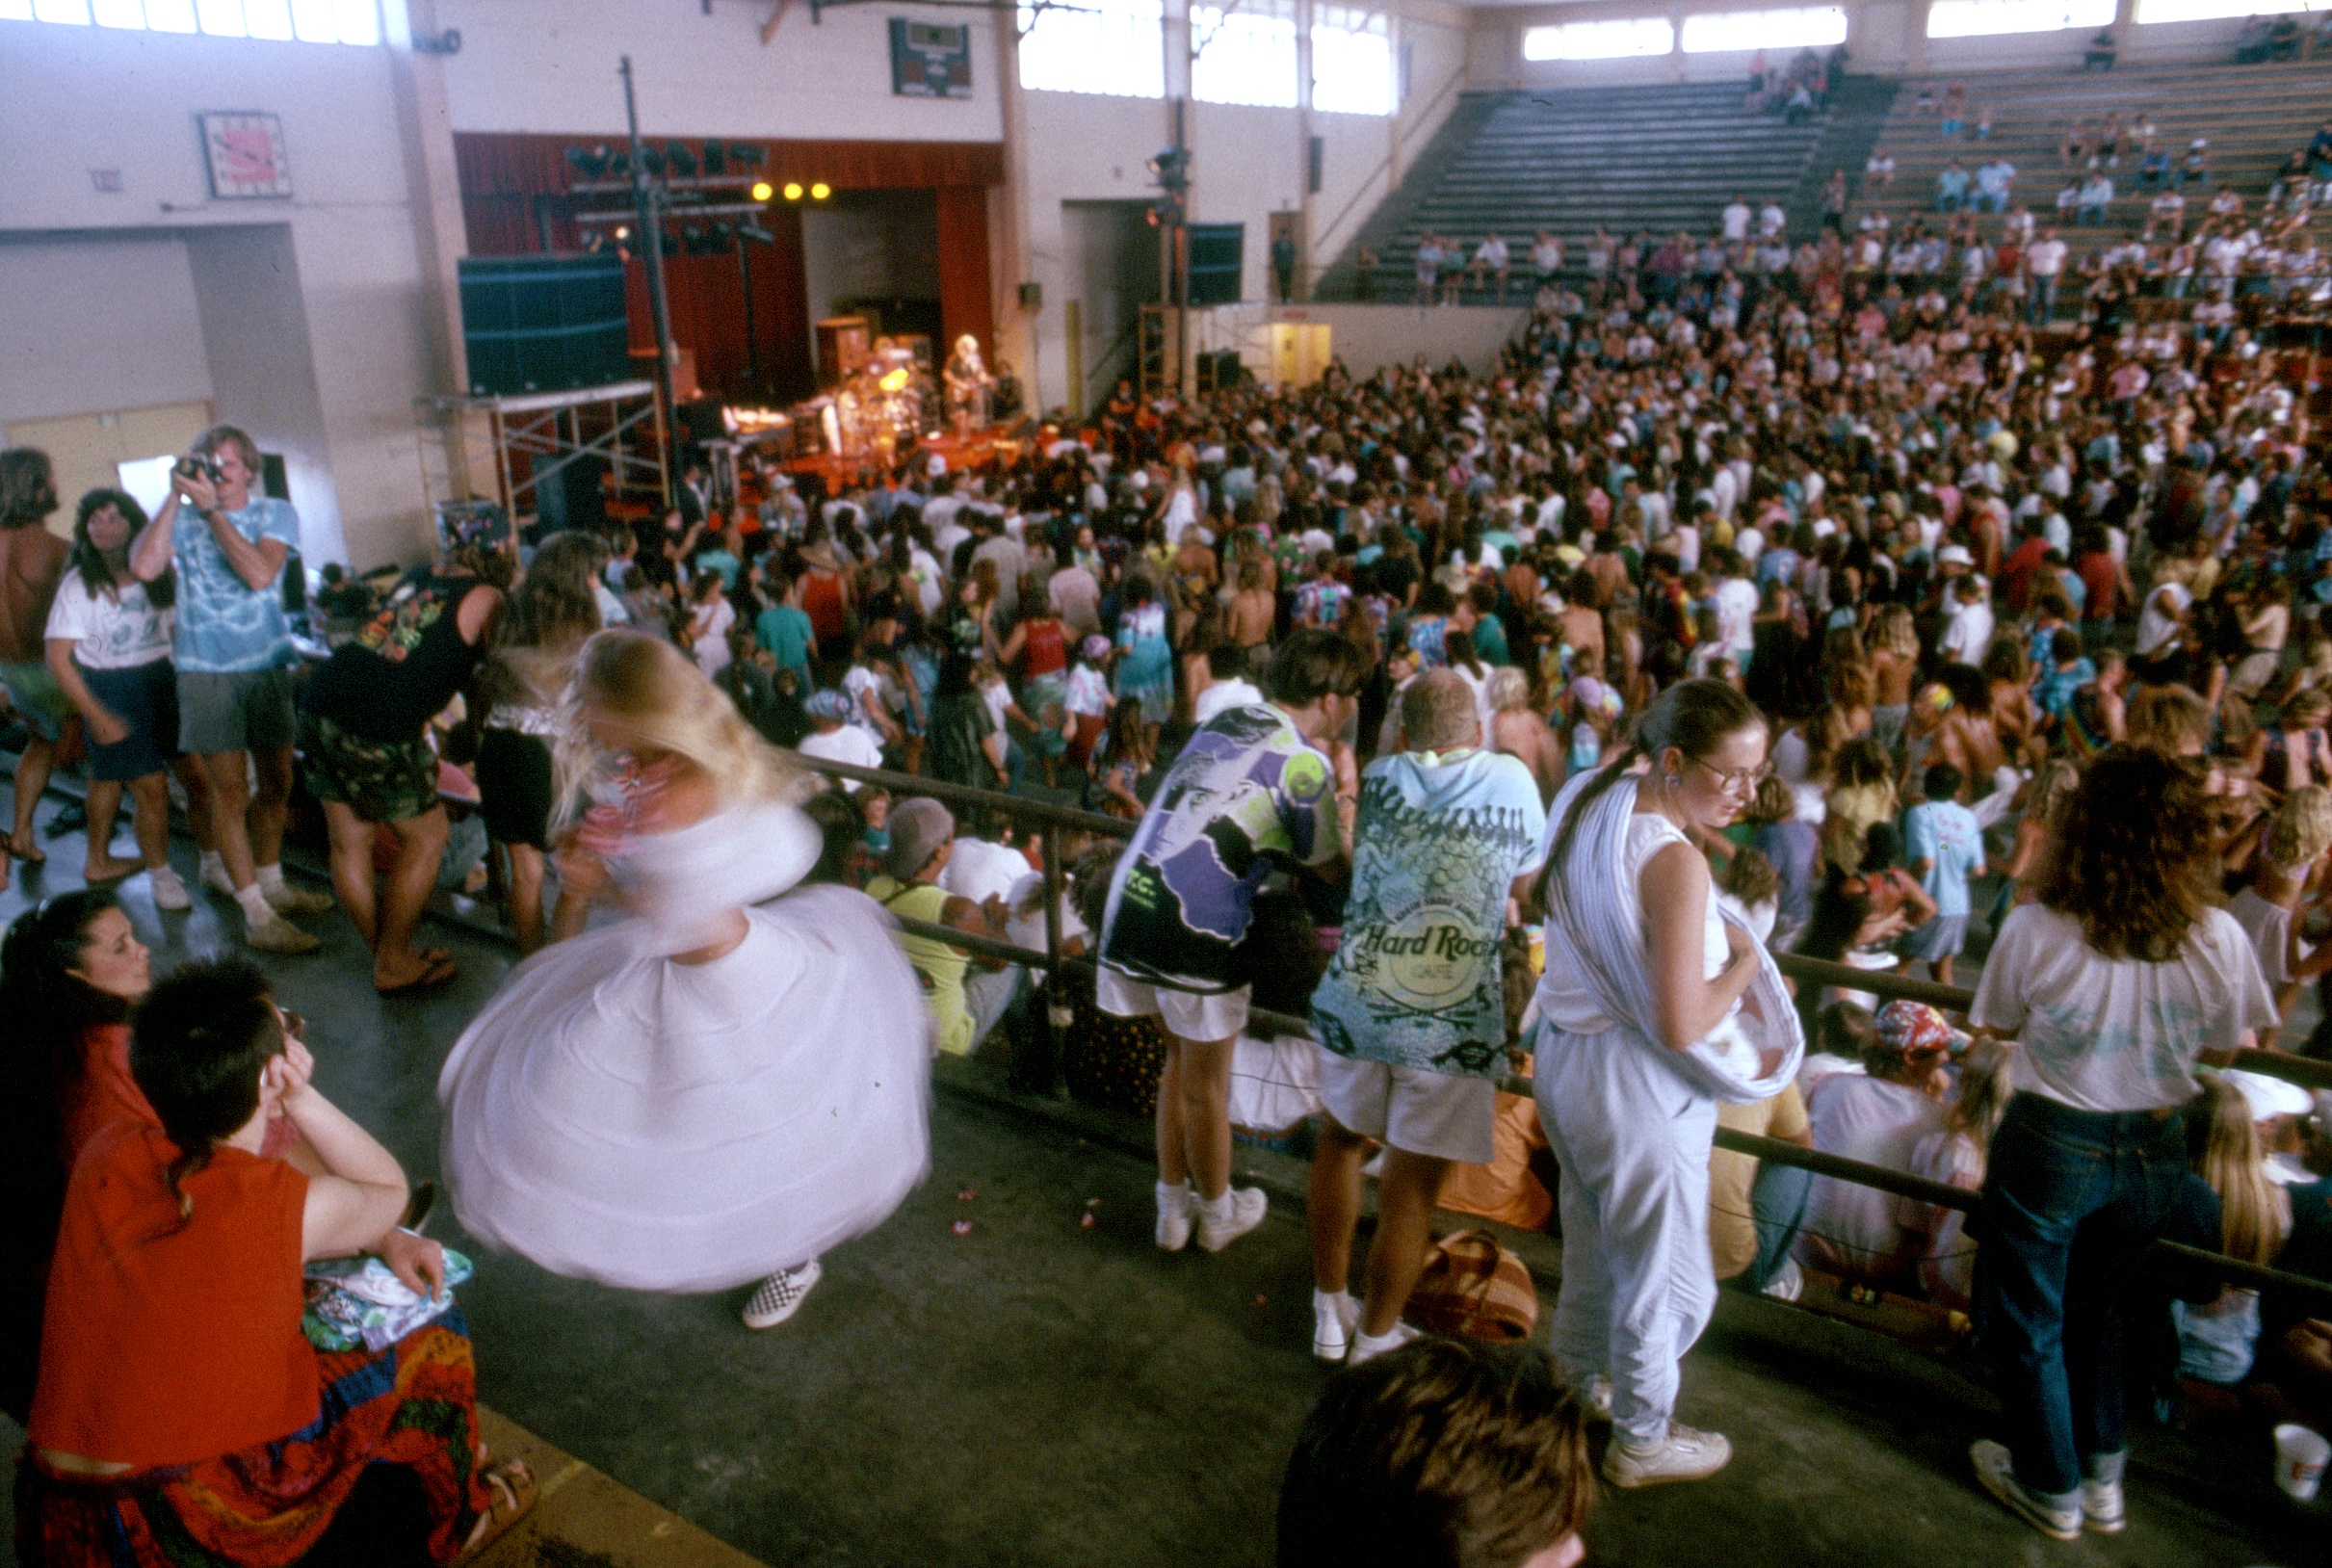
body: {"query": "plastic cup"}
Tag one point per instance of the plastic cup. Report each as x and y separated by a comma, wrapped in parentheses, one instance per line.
(2300, 1454)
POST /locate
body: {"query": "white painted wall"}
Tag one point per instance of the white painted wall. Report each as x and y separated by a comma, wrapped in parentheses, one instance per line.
(97, 325)
(82, 98)
(549, 65)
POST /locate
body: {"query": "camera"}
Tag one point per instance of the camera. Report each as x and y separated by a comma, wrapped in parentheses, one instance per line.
(200, 465)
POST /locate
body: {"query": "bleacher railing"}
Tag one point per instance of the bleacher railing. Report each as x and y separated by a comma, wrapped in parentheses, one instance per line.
(2305, 1071)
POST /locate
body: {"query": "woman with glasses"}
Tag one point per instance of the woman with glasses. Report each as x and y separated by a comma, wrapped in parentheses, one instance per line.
(1653, 1008)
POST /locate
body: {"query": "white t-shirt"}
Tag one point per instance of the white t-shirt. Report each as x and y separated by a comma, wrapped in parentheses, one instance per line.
(1968, 635)
(1737, 612)
(848, 745)
(711, 645)
(2117, 1034)
(978, 868)
(109, 633)
(1851, 1229)
(1027, 930)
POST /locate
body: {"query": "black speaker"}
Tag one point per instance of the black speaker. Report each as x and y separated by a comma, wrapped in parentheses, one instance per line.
(1218, 255)
(1220, 371)
(544, 323)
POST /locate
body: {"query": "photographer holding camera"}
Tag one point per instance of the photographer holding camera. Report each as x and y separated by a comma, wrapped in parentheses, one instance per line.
(233, 649)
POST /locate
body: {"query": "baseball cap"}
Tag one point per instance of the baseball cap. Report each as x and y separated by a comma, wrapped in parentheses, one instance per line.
(1095, 647)
(2269, 1096)
(831, 706)
(1913, 1028)
(1954, 555)
(919, 828)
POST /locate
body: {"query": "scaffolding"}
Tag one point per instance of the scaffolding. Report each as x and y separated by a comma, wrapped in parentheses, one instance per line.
(505, 449)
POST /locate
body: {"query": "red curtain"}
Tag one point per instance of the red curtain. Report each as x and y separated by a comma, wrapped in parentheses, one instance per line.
(515, 201)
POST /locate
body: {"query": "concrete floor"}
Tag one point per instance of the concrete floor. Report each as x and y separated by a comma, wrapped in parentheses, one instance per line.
(1039, 1393)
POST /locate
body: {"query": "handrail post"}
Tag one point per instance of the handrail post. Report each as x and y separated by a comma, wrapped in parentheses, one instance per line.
(1057, 1005)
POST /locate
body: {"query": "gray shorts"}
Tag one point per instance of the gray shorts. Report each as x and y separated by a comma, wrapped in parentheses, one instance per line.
(247, 710)
(1946, 936)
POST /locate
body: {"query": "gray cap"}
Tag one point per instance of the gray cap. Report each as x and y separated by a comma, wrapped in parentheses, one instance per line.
(919, 828)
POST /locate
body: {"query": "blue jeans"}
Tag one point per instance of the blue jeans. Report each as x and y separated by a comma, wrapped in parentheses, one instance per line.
(1777, 1203)
(2044, 299)
(2071, 1202)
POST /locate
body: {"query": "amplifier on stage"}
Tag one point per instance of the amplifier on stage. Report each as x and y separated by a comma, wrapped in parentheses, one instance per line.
(844, 343)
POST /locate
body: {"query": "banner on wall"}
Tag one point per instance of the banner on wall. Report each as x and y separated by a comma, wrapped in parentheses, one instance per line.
(928, 62)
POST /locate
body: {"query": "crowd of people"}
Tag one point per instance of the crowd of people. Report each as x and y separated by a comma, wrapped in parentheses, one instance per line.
(1527, 712)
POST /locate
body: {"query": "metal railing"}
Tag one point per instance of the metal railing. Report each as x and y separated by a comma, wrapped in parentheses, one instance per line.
(2302, 1070)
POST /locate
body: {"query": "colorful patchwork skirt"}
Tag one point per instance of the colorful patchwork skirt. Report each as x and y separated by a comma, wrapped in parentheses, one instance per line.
(414, 1404)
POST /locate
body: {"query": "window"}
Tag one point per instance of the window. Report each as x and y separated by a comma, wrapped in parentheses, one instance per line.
(1815, 27)
(2210, 11)
(1978, 19)
(1246, 54)
(1352, 62)
(311, 21)
(1600, 41)
(1112, 46)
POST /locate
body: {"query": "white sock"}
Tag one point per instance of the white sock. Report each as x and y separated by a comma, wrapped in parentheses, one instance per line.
(213, 862)
(256, 910)
(1174, 1197)
(271, 878)
(1365, 1341)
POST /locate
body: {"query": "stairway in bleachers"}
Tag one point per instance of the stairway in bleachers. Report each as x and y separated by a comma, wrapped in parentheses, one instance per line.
(1659, 158)
(2252, 115)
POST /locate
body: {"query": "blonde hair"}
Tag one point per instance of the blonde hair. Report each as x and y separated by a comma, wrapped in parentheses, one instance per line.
(2302, 828)
(2052, 784)
(2251, 1207)
(656, 691)
(1987, 1082)
(1895, 631)
(2171, 719)
(1508, 690)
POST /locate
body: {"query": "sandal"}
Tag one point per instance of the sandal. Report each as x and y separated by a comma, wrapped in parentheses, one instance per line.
(441, 973)
(513, 1487)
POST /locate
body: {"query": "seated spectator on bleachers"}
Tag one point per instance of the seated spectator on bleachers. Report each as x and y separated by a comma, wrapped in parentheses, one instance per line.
(1756, 1206)
(1951, 186)
(835, 738)
(186, 1403)
(2100, 51)
(1447, 1454)
(1954, 1155)
(1877, 1116)
(967, 996)
(2240, 1210)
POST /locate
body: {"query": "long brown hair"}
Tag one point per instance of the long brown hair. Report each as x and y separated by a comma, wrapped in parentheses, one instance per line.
(1694, 716)
(2132, 861)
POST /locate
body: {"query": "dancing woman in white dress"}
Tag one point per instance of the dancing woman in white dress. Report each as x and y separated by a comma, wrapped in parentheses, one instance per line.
(725, 1085)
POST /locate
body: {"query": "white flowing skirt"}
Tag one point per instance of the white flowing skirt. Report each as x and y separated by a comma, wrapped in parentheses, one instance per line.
(619, 1117)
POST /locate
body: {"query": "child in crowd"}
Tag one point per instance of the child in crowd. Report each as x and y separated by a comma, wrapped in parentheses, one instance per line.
(1947, 850)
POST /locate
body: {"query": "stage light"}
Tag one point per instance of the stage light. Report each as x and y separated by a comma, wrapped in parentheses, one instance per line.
(1172, 168)
(624, 231)
(588, 162)
(748, 156)
(716, 156)
(821, 191)
(763, 190)
(619, 165)
(652, 161)
(793, 190)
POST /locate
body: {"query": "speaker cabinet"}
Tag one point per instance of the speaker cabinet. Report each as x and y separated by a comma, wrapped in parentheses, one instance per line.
(544, 323)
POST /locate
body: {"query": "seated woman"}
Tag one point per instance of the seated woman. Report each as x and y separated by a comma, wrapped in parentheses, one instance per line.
(1877, 1116)
(179, 1400)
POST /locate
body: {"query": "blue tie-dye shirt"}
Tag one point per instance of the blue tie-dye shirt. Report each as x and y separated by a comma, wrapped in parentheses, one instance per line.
(225, 625)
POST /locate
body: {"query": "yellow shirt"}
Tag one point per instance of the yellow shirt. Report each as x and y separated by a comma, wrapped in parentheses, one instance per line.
(1732, 1232)
(941, 965)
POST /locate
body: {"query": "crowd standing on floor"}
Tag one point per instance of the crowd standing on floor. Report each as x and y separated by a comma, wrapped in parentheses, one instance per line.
(1698, 629)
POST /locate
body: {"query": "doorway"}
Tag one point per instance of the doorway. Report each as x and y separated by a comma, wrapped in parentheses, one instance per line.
(1110, 266)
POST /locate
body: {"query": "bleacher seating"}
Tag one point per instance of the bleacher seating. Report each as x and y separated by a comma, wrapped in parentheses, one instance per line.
(2252, 115)
(1659, 158)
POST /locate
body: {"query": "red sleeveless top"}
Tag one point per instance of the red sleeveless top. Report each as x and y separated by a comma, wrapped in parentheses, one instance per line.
(169, 1341)
(822, 602)
(1045, 651)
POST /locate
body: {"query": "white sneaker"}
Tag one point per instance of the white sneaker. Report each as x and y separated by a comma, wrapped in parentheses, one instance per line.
(169, 893)
(1996, 1469)
(780, 1295)
(1335, 1318)
(2101, 1510)
(1787, 1284)
(1174, 1204)
(280, 935)
(1230, 1216)
(1368, 1347)
(287, 899)
(1685, 1454)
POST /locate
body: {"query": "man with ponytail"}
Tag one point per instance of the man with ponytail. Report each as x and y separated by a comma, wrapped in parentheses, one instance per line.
(1653, 1008)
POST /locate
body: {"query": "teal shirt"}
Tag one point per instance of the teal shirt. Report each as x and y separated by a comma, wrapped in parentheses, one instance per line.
(1490, 641)
(786, 633)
